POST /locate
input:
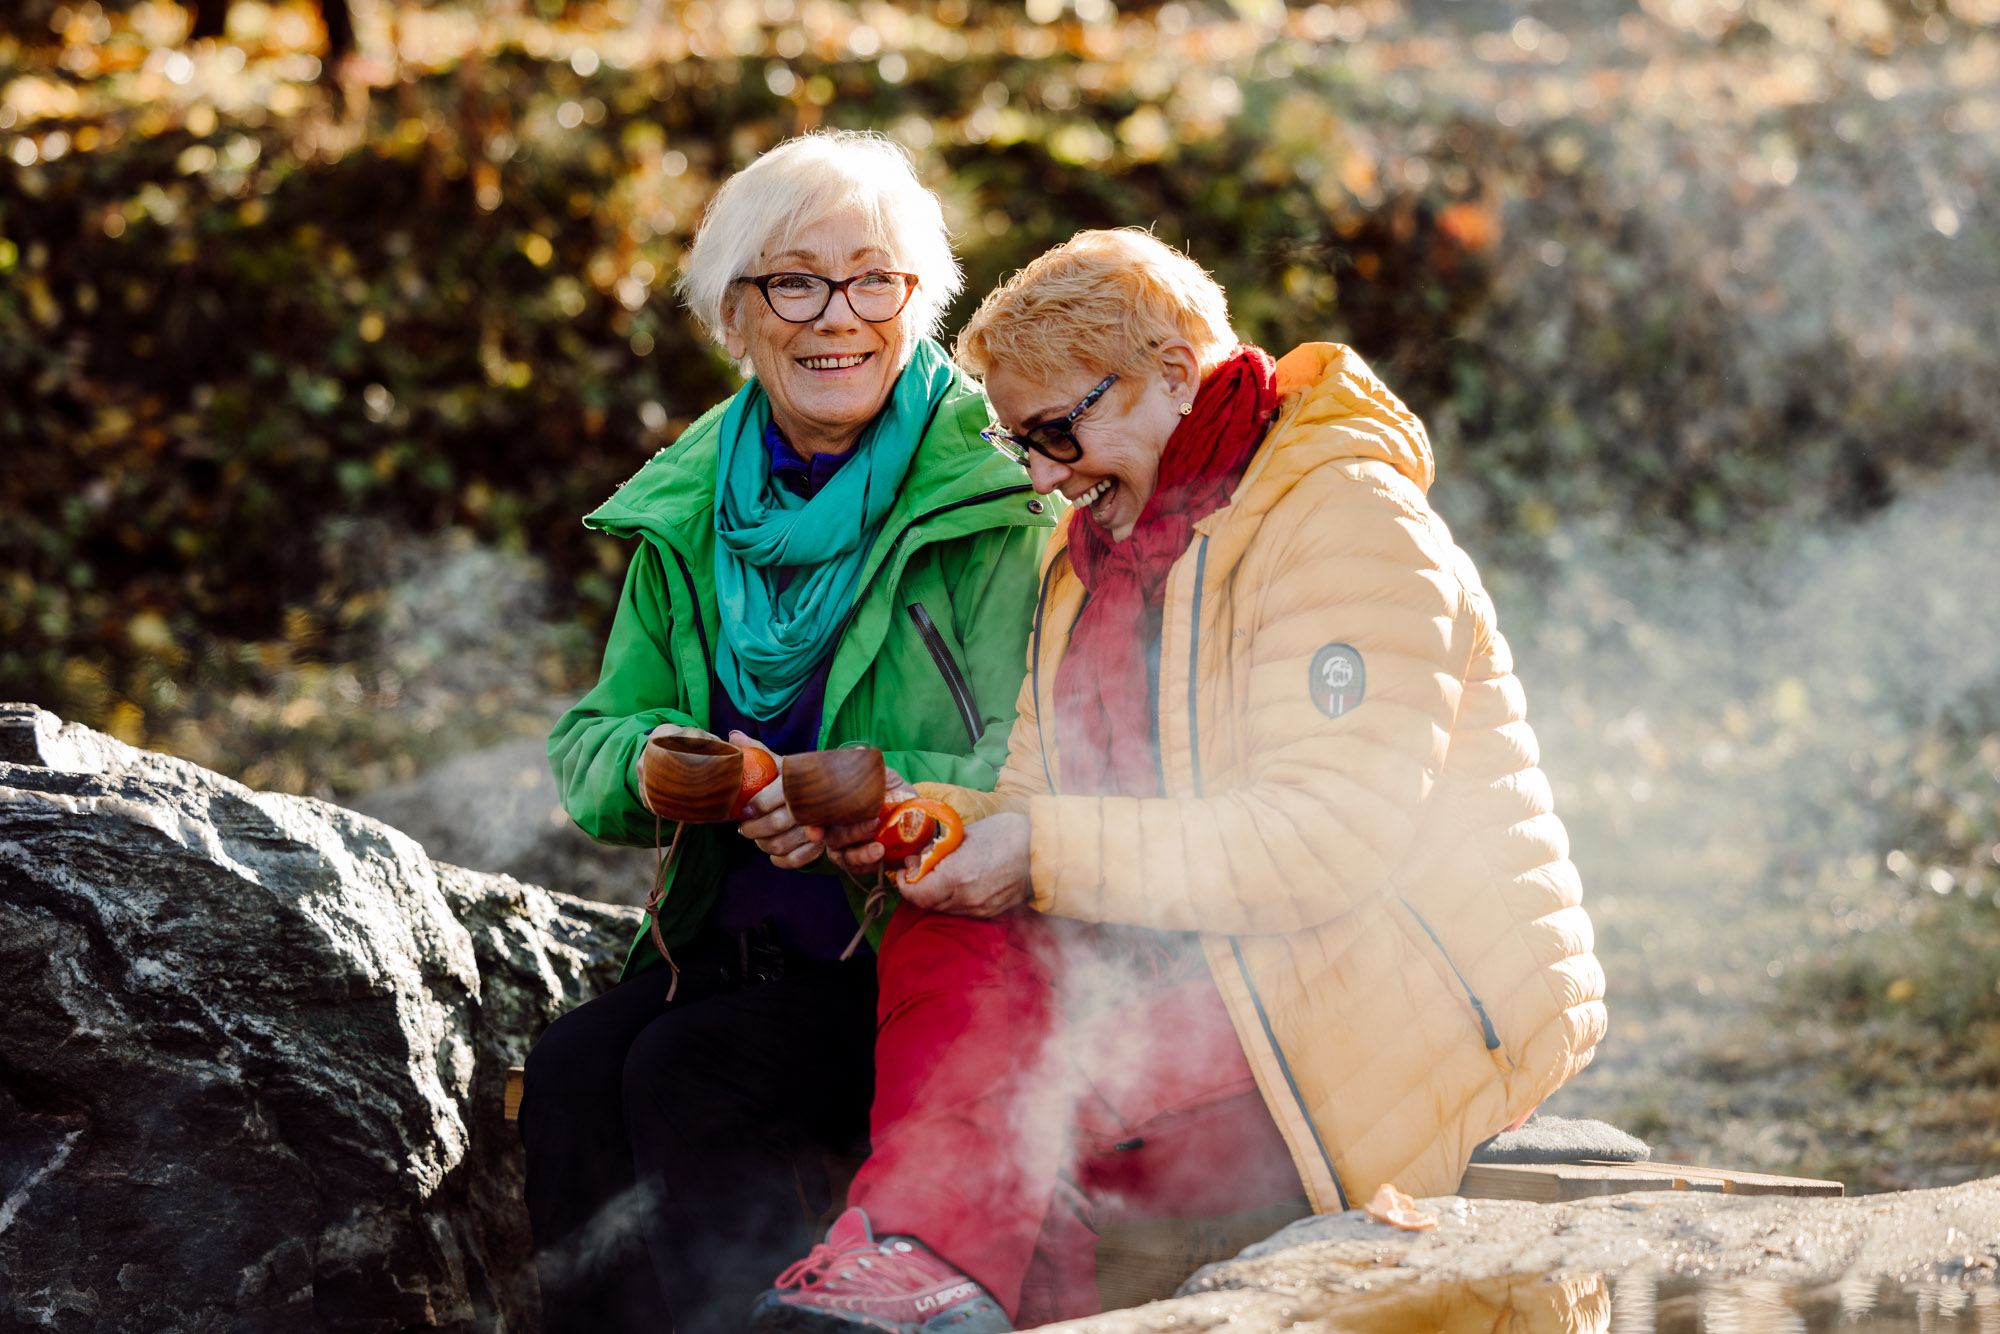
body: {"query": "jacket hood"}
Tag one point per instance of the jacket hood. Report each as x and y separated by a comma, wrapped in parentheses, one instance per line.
(673, 488)
(1334, 408)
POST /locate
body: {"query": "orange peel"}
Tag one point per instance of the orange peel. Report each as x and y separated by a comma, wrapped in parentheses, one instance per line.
(1398, 1210)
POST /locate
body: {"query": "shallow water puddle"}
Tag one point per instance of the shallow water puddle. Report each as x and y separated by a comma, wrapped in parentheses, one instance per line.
(1640, 1305)
(1862, 1304)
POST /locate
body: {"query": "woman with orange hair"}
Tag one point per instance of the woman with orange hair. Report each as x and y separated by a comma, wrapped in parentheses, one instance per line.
(1270, 900)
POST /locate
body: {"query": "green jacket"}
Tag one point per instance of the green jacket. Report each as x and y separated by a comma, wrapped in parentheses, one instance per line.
(927, 666)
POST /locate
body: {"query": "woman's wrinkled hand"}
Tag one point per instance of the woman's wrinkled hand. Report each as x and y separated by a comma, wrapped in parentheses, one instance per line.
(646, 747)
(767, 819)
(852, 846)
(986, 876)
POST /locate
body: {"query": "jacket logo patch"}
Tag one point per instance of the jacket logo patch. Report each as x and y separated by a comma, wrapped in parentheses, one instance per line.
(1336, 679)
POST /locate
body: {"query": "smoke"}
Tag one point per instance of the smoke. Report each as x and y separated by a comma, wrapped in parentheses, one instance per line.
(1725, 730)
(1141, 1060)
(464, 624)
(496, 809)
(615, 1237)
(1730, 733)
(468, 647)
(727, 1250)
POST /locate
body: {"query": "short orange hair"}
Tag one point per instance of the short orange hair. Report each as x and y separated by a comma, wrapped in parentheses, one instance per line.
(1097, 301)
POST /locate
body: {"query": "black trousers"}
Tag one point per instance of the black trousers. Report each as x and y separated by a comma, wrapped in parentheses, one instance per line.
(669, 1144)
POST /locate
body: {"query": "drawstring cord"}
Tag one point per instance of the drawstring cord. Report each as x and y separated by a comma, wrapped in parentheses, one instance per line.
(659, 892)
(871, 908)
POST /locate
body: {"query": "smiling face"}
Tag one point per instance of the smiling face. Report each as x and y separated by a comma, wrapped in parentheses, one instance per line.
(827, 379)
(1123, 434)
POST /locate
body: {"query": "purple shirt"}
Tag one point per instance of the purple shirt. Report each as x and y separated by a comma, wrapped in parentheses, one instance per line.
(800, 475)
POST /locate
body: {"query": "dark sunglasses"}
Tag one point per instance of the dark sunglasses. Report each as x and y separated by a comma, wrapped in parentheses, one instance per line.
(1054, 439)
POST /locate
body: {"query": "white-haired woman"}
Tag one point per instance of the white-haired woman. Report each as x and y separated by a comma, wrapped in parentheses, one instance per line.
(830, 556)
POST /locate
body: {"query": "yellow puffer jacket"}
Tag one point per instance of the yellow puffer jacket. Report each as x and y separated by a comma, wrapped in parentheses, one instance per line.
(1354, 819)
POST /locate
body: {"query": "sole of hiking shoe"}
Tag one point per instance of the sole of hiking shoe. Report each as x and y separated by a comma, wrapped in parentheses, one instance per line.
(771, 1316)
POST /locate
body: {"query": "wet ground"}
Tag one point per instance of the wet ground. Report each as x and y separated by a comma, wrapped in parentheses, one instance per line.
(1862, 1304)
(1639, 1305)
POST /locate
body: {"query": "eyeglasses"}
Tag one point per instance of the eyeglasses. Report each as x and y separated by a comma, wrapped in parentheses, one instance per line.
(801, 298)
(1054, 439)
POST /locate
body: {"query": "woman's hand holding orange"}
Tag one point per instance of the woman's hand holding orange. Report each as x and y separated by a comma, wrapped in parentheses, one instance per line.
(986, 876)
(767, 820)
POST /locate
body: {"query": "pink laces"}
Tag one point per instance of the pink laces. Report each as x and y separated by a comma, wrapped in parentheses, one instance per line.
(888, 1269)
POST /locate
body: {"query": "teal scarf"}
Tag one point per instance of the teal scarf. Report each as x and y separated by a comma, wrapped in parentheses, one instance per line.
(771, 640)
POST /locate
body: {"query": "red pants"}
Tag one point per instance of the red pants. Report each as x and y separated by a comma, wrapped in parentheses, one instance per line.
(1028, 1088)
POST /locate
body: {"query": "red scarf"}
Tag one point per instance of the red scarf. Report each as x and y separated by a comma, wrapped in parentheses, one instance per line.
(1102, 687)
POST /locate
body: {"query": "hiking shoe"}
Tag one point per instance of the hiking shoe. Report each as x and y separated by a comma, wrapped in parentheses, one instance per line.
(854, 1284)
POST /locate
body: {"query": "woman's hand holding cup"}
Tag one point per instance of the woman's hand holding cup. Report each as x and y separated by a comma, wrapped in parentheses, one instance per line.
(853, 847)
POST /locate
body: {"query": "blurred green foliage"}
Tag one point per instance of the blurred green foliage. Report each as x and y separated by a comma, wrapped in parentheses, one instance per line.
(243, 311)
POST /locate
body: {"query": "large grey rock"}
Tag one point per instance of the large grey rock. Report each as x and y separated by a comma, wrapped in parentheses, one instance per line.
(251, 1070)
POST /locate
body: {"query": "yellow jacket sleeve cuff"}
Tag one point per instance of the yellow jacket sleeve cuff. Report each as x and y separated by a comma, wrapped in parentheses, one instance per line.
(971, 804)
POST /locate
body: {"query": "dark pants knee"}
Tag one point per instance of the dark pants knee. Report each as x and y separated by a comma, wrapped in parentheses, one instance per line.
(664, 1140)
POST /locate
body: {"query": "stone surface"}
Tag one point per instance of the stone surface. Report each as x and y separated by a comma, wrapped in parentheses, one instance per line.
(1765, 1261)
(497, 810)
(251, 1072)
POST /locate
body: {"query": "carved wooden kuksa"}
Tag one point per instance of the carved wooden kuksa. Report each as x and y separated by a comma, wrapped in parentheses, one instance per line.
(692, 779)
(830, 787)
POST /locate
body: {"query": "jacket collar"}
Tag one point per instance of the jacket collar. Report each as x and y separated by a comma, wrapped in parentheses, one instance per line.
(672, 497)
(1332, 410)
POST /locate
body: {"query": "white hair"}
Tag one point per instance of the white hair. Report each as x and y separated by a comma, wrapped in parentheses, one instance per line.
(803, 182)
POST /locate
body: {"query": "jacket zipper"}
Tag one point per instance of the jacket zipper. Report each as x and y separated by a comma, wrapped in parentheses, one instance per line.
(1492, 1035)
(1235, 945)
(861, 593)
(1035, 672)
(694, 599)
(694, 603)
(954, 679)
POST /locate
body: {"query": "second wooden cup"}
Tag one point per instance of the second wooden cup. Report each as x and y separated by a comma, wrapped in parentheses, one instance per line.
(834, 787)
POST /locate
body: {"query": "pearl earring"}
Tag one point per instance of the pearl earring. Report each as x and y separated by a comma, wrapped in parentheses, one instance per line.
(1186, 408)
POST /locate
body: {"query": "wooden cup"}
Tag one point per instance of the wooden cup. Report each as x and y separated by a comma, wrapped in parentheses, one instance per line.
(832, 787)
(692, 779)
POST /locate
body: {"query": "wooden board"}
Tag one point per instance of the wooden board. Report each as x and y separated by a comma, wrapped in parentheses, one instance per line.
(1547, 1183)
(511, 1100)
